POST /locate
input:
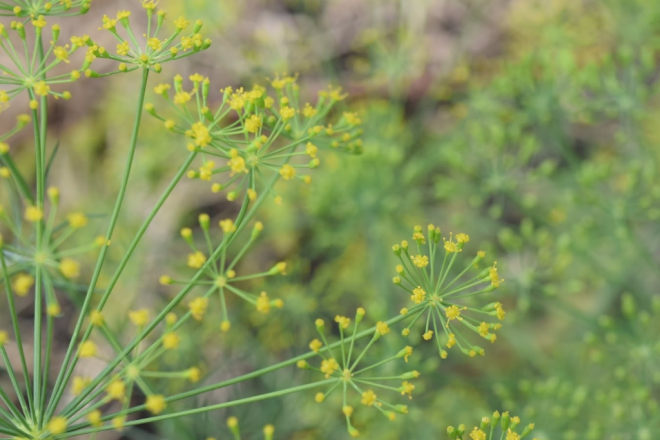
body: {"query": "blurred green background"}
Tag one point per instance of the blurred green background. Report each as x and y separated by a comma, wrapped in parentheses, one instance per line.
(533, 126)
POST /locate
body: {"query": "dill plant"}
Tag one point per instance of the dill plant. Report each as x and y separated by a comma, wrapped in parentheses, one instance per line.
(242, 147)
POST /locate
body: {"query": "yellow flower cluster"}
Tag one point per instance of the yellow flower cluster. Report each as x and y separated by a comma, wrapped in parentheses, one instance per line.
(218, 274)
(499, 426)
(429, 276)
(252, 135)
(341, 369)
(157, 49)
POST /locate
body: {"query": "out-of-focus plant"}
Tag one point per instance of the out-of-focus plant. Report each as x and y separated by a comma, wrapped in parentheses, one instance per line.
(250, 142)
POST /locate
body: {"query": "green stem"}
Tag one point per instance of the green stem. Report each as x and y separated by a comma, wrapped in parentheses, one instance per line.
(17, 332)
(18, 177)
(67, 370)
(192, 411)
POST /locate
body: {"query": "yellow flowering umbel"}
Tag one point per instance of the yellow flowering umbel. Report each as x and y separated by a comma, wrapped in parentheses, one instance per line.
(341, 369)
(498, 427)
(36, 8)
(59, 264)
(219, 275)
(254, 134)
(30, 74)
(157, 49)
(426, 274)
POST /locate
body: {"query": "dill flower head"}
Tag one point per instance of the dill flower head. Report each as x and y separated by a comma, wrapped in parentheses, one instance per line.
(499, 426)
(56, 258)
(36, 10)
(248, 138)
(216, 272)
(158, 47)
(425, 272)
(343, 367)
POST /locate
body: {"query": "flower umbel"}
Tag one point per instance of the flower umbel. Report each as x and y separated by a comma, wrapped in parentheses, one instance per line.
(343, 368)
(427, 276)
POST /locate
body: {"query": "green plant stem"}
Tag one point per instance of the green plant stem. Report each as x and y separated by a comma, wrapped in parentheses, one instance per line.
(289, 362)
(65, 371)
(195, 410)
(17, 331)
(241, 220)
(14, 382)
(36, 373)
(18, 177)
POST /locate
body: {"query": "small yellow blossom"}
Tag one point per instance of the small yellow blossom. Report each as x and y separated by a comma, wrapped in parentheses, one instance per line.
(287, 113)
(57, 425)
(87, 349)
(407, 388)
(236, 163)
(53, 309)
(253, 124)
(96, 318)
(420, 261)
(171, 341)
(94, 418)
(118, 422)
(182, 98)
(382, 328)
(477, 434)
(408, 353)
(61, 53)
(368, 398)
(462, 238)
(227, 226)
(453, 312)
(196, 260)
(287, 172)
(123, 48)
(155, 404)
(329, 366)
(428, 335)
(22, 284)
(77, 220)
(70, 268)
(352, 118)
(263, 303)
(198, 307)
(116, 390)
(33, 214)
(343, 321)
(194, 374)
(79, 384)
(139, 318)
(451, 340)
(315, 345)
(500, 311)
(418, 295)
(495, 280)
(181, 23)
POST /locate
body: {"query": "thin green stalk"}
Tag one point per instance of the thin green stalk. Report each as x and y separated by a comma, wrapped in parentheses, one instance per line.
(59, 384)
(17, 330)
(357, 361)
(278, 366)
(191, 411)
(18, 177)
(14, 382)
(36, 372)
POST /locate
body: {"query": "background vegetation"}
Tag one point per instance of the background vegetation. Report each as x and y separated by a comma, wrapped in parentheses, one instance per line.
(531, 125)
